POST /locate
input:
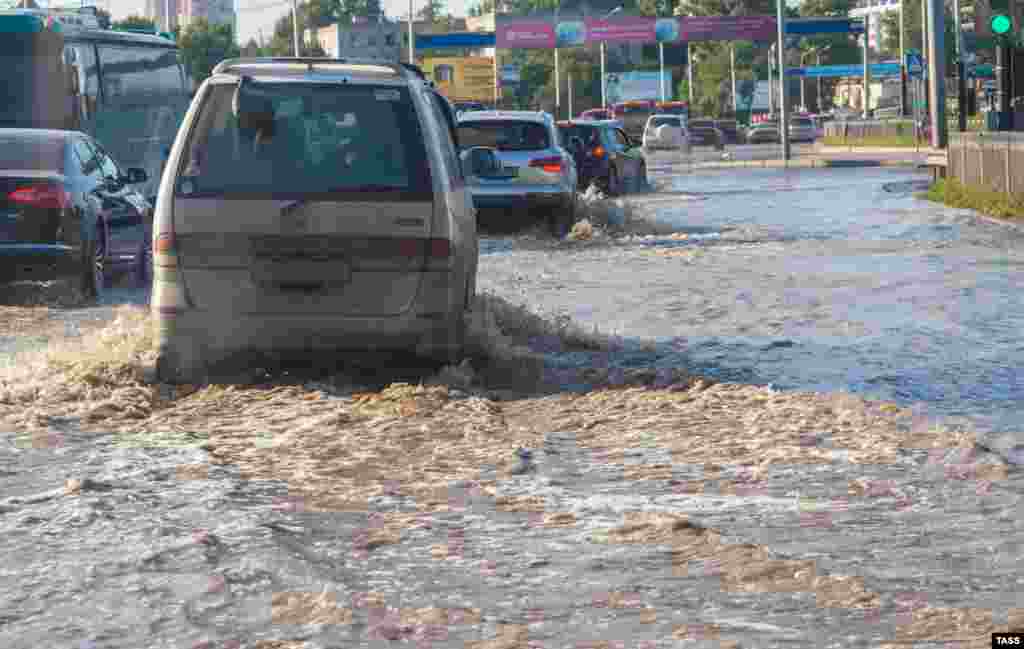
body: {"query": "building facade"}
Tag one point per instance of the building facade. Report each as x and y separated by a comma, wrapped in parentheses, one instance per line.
(157, 10)
(360, 40)
(216, 12)
(876, 9)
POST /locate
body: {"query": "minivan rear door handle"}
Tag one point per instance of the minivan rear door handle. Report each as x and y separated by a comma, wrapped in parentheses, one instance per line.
(409, 221)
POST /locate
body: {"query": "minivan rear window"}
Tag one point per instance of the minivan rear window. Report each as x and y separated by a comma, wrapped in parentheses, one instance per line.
(664, 121)
(504, 135)
(318, 139)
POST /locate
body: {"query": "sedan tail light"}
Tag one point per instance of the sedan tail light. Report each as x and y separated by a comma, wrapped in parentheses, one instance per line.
(44, 196)
(552, 165)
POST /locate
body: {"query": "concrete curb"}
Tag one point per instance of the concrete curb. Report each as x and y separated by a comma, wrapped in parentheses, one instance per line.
(807, 163)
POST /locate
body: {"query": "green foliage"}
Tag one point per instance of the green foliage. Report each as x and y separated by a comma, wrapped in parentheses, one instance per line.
(912, 33)
(313, 15)
(998, 204)
(136, 22)
(204, 45)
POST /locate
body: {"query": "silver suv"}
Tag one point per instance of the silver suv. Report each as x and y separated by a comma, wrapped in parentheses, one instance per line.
(312, 204)
(537, 172)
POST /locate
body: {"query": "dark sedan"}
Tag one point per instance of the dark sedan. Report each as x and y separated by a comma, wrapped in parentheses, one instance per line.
(606, 156)
(68, 210)
(703, 132)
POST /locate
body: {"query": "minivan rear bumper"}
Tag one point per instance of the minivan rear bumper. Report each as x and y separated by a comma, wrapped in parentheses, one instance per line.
(36, 261)
(193, 340)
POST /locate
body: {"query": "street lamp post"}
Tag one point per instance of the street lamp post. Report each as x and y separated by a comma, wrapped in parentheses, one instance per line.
(771, 80)
(604, 86)
(784, 113)
(412, 38)
(295, 25)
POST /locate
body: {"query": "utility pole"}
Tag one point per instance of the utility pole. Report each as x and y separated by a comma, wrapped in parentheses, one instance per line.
(295, 26)
(926, 51)
(784, 116)
(604, 87)
(903, 67)
(732, 71)
(568, 79)
(771, 81)
(689, 75)
(558, 89)
(661, 70)
(866, 95)
(818, 82)
(961, 81)
(937, 72)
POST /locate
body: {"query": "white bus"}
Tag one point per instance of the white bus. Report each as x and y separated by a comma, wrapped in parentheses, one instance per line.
(61, 69)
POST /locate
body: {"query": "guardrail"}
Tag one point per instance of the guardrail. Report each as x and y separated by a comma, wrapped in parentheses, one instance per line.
(859, 130)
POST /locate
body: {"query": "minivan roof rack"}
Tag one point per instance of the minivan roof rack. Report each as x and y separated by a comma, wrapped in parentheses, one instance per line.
(401, 69)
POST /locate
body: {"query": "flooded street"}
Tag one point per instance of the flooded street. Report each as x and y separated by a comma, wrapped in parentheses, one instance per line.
(710, 478)
(820, 279)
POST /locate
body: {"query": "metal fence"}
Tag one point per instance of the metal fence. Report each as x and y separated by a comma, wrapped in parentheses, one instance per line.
(993, 161)
(858, 130)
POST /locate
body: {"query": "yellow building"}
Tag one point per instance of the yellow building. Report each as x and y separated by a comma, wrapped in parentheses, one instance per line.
(462, 78)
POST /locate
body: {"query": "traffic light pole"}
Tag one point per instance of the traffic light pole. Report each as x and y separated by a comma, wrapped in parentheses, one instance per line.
(937, 72)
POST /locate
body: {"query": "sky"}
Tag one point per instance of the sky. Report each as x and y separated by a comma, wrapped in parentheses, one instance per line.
(254, 15)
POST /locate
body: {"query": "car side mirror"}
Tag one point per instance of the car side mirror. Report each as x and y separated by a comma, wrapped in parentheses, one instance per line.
(481, 162)
(134, 175)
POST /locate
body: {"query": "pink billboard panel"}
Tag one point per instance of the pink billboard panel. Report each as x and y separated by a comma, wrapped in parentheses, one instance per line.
(727, 28)
(520, 33)
(627, 29)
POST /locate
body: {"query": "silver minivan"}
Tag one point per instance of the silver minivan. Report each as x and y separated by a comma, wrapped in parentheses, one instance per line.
(312, 204)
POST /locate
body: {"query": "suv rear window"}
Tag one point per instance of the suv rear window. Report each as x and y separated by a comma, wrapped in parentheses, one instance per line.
(504, 135)
(323, 140)
(701, 123)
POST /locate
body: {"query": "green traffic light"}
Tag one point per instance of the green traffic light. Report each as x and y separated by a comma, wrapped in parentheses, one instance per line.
(1001, 24)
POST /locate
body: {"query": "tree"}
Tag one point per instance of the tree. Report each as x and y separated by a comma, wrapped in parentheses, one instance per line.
(203, 46)
(136, 22)
(252, 48)
(912, 33)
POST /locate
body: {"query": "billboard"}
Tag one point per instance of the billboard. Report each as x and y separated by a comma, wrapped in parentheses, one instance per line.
(468, 78)
(629, 86)
(512, 32)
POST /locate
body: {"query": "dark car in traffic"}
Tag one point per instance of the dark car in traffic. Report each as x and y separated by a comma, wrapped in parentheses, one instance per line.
(604, 156)
(703, 132)
(68, 210)
(730, 130)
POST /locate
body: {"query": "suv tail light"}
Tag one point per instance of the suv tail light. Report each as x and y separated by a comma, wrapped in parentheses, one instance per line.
(552, 165)
(44, 195)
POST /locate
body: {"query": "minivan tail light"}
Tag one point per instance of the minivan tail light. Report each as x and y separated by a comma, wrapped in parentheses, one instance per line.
(551, 165)
(439, 248)
(163, 244)
(44, 196)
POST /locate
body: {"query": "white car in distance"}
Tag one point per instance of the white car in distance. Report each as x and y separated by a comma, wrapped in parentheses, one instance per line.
(666, 132)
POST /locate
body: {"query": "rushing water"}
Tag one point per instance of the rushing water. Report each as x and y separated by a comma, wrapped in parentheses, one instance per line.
(818, 279)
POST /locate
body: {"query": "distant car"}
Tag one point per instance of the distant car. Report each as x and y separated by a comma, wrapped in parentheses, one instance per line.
(539, 173)
(596, 114)
(729, 129)
(606, 156)
(313, 208)
(467, 106)
(68, 210)
(666, 132)
(673, 108)
(802, 129)
(704, 133)
(763, 132)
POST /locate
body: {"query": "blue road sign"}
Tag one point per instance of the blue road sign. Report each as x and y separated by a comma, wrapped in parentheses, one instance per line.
(915, 65)
(797, 26)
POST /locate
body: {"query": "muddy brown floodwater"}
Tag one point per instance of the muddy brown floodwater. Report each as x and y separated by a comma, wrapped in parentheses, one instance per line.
(560, 489)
